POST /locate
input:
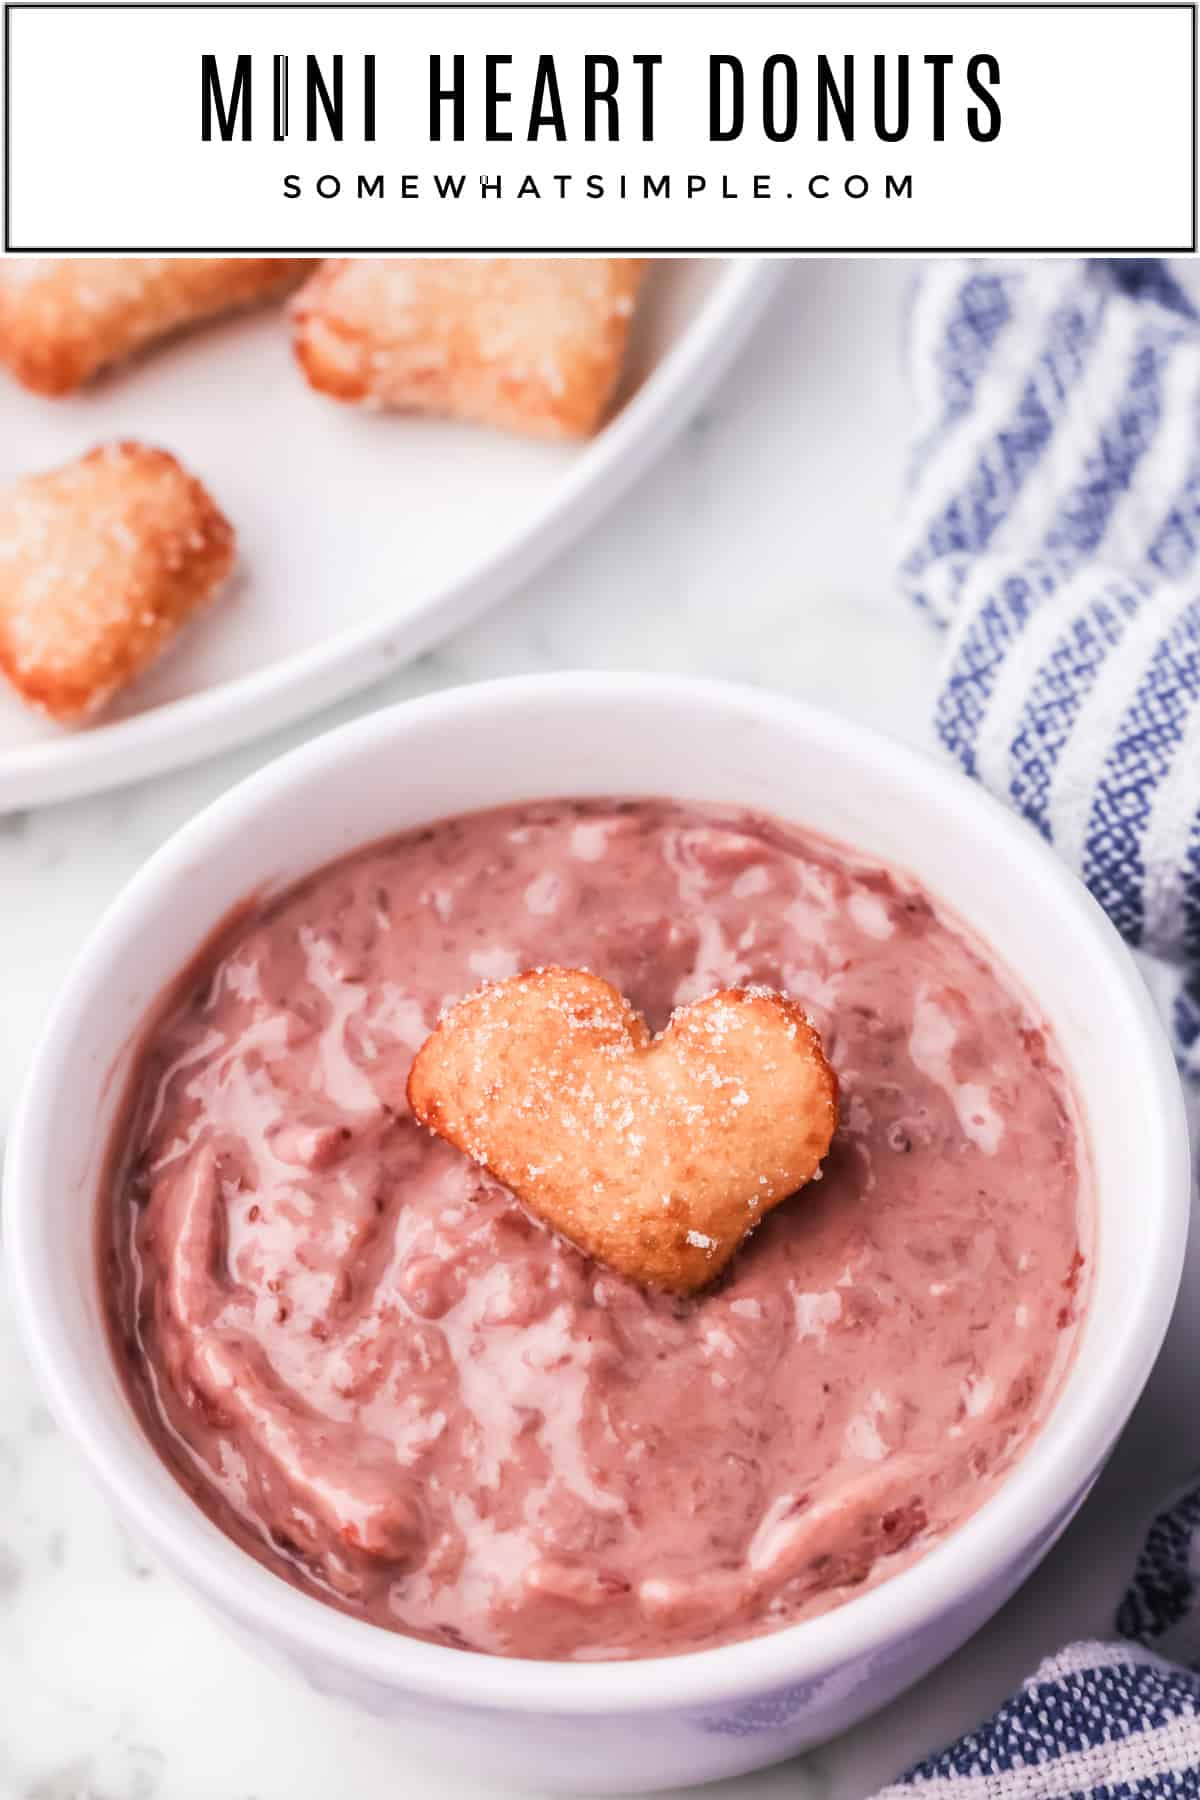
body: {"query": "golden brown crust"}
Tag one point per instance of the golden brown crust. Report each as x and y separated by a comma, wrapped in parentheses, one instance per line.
(101, 562)
(525, 344)
(62, 319)
(654, 1156)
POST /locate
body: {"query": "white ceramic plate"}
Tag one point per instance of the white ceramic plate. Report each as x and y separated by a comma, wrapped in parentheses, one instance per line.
(363, 537)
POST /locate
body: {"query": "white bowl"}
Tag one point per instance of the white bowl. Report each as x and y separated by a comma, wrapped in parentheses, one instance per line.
(616, 1727)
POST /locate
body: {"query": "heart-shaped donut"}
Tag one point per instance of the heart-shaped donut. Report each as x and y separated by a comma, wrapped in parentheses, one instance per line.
(655, 1156)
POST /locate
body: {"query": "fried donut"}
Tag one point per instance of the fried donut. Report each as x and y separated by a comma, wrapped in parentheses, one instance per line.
(655, 1156)
(101, 562)
(525, 344)
(62, 319)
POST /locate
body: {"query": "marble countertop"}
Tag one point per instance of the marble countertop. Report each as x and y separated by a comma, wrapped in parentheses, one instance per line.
(758, 548)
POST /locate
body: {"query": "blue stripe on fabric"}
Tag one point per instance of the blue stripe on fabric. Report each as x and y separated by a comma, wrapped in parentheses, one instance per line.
(1084, 515)
(1173, 547)
(1191, 895)
(967, 523)
(1175, 542)
(1161, 1784)
(938, 598)
(1057, 691)
(968, 686)
(1084, 1710)
(1148, 278)
(974, 322)
(1185, 1015)
(1162, 1590)
(1140, 757)
(1083, 518)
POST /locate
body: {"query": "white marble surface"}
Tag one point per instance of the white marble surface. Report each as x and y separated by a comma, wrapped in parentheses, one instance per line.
(759, 548)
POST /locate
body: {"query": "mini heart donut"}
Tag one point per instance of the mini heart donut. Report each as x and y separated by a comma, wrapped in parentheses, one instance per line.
(64, 318)
(102, 563)
(654, 1155)
(531, 344)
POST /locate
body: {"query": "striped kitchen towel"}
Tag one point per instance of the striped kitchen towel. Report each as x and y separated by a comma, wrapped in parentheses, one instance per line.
(1116, 1721)
(1053, 536)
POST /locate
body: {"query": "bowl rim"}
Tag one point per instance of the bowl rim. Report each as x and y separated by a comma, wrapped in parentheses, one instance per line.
(1036, 1495)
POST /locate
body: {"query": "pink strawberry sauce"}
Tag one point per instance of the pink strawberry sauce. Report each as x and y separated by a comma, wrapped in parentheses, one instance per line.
(388, 1383)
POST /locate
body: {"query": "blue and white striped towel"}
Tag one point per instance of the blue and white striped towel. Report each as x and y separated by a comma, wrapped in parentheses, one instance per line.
(1053, 535)
(1117, 1721)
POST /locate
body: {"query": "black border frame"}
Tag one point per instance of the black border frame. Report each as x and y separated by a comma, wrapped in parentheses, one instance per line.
(1188, 6)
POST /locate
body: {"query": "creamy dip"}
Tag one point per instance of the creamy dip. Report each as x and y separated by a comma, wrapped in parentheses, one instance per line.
(390, 1384)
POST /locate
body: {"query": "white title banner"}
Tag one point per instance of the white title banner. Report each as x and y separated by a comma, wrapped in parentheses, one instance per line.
(633, 128)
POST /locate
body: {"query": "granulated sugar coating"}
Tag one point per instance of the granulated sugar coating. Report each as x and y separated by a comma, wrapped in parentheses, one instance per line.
(654, 1156)
(395, 1388)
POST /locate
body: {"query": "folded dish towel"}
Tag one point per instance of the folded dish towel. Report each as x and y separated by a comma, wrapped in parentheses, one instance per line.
(1053, 535)
(1117, 1721)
